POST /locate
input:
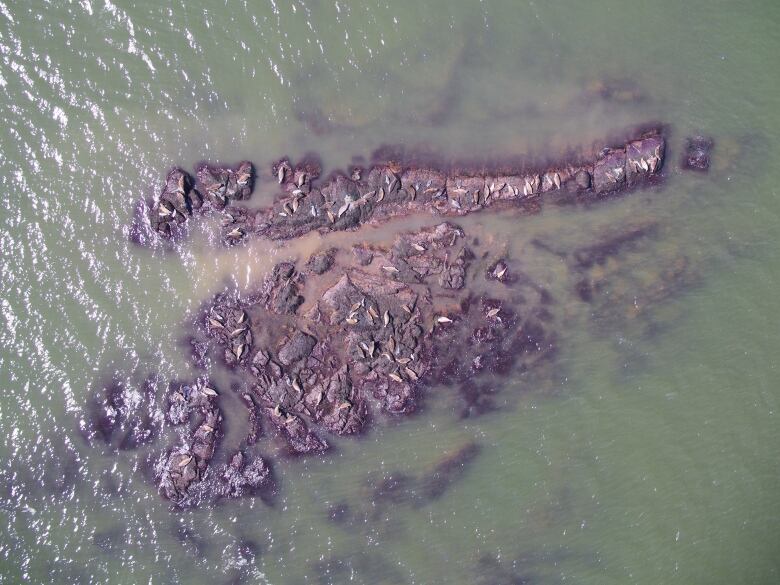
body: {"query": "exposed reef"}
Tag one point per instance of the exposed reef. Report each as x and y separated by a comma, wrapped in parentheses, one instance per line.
(324, 346)
(183, 473)
(371, 338)
(370, 196)
(216, 187)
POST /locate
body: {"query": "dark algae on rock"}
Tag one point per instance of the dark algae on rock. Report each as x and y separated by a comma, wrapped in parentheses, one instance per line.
(328, 345)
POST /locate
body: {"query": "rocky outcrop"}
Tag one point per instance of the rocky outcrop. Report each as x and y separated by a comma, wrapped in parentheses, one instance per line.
(327, 353)
(181, 197)
(176, 204)
(326, 346)
(385, 191)
(391, 190)
(184, 473)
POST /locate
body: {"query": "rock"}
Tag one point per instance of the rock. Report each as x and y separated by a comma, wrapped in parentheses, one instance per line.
(609, 172)
(297, 348)
(175, 203)
(389, 190)
(498, 271)
(221, 185)
(383, 324)
(184, 466)
(280, 290)
(582, 179)
(241, 478)
(644, 158)
(179, 199)
(299, 438)
(183, 399)
(438, 252)
(322, 262)
(231, 325)
(696, 156)
(363, 255)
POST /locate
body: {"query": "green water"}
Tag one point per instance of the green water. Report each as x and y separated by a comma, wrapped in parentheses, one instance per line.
(646, 453)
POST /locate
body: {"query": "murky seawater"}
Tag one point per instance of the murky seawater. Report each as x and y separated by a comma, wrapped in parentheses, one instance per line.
(645, 453)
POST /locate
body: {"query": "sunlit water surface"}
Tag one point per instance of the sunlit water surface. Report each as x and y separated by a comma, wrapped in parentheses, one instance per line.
(646, 453)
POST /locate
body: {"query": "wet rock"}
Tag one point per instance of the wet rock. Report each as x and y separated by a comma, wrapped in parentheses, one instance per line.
(489, 570)
(199, 350)
(437, 254)
(488, 336)
(478, 398)
(300, 439)
(240, 477)
(106, 412)
(617, 90)
(322, 262)
(119, 419)
(221, 185)
(297, 348)
(696, 156)
(339, 512)
(396, 488)
(175, 204)
(363, 254)
(619, 284)
(280, 290)
(498, 271)
(186, 465)
(255, 426)
(609, 172)
(418, 490)
(109, 540)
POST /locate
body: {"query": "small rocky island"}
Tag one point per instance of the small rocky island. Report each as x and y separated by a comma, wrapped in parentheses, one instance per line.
(328, 345)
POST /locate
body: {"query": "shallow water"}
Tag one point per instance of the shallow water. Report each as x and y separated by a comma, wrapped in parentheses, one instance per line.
(647, 451)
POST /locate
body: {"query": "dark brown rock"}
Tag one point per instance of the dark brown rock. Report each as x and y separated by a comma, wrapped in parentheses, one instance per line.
(321, 262)
(182, 468)
(609, 172)
(298, 347)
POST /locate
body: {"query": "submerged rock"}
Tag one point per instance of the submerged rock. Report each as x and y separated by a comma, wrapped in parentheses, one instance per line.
(696, 156)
